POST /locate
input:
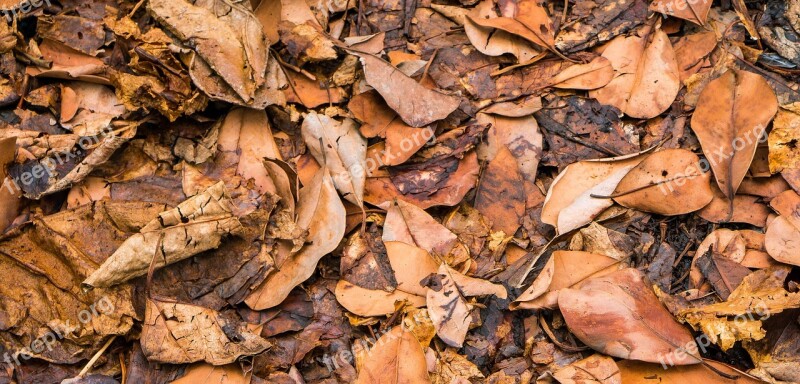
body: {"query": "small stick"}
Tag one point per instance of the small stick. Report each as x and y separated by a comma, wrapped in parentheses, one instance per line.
(96, 356)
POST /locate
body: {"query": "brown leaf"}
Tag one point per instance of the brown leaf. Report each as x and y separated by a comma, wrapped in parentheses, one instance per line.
(447, 305)
(322, 213)
(373, 302)
(380, 191)
(365, 262)
(646, 79)
(9, 199)
(454, 368)
(591, 23)
(732, 113)
(407, 223)
(524, 18)
(579, 128)
(402, 140)
(411, 265)
(501, 193)
(182, 333)
(637, 372)
(761, 294)
(70, 64)
(592, 75)
(695, 11)
(593, 369)
(88, 109)
(342, 149)
(196, 225)
(619, 315)
(495, 42)
(783, 142)
(723, 273)
(565, 269)
(397, 358)
(746, 209)
(668, 182)
(570, 203)
(521, 136)
(48, 258)
(207, 374)
(232, 61)
(417, 105)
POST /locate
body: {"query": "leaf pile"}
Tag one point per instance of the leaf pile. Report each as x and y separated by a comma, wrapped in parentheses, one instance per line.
(417, 191)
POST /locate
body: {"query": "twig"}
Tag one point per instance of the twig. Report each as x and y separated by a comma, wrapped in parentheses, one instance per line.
(96, 356)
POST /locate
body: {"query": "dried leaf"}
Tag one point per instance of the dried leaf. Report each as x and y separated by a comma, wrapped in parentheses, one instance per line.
(447, 304)
(570, 203)
(9, 199)
(619, 315)
(342, 149)
(646, 79)
(637, 372)
(322, 213)
(417, 105)
(668, 182)
(501, 193)
(397, 358)
(760, 294)
(593, 369)
(591, 23)
(565, 269)
(783, 142)
(732, 113)
(373, 302)
(181, 333)
(695, 11)
(407, 223)
(196, 225)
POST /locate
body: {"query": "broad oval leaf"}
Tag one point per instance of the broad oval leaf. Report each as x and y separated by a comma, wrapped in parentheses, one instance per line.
(570, 203)
(416, 105)
(646, 79)
(565, 269)
(373, 302)
(668, 182)
(732, 113)
(396, 358)
(619, 315)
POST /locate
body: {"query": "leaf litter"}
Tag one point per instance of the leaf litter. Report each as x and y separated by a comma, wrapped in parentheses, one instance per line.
(277, 191)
